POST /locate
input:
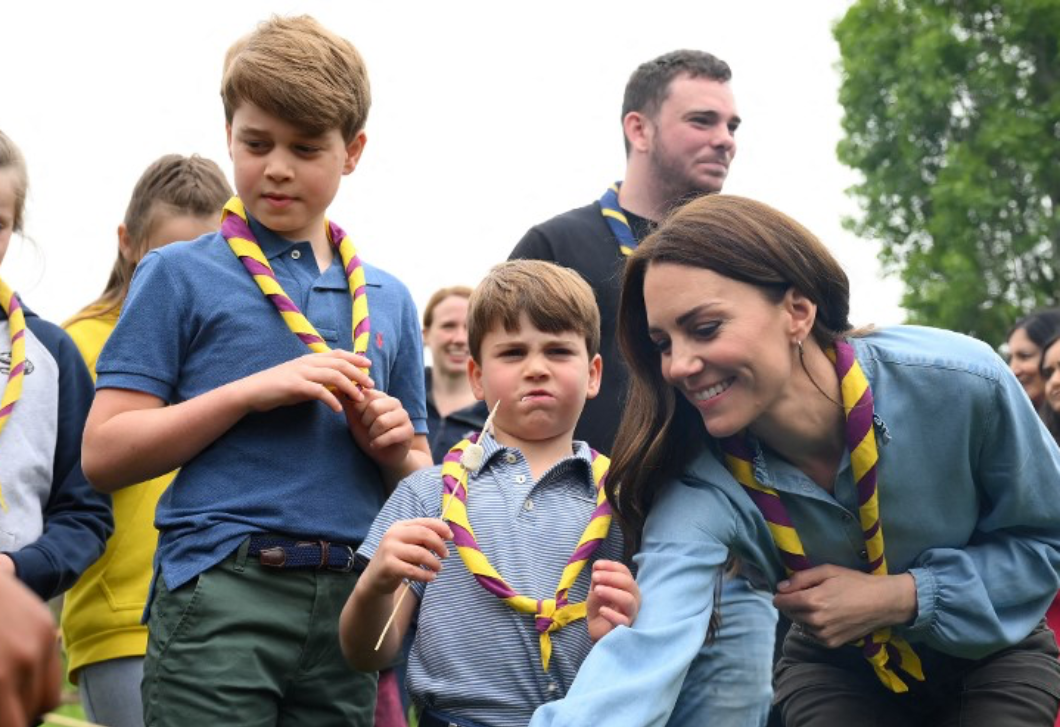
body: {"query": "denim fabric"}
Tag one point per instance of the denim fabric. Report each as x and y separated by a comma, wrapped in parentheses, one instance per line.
(969, 506)
(730, 682)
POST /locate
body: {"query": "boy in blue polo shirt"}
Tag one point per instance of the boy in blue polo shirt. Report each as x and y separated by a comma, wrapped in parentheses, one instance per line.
(210, 370)
(494, 643)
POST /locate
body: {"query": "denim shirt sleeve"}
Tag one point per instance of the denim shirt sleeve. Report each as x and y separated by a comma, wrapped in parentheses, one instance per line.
(990, 593)
(633, 676)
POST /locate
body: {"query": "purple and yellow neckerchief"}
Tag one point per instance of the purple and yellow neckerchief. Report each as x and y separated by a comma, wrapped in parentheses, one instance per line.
(886, 651)
(616, 220)
(16, 322)
(550, 614)
(236, 230)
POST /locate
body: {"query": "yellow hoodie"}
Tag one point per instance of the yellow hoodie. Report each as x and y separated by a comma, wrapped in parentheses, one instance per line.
(101, 613)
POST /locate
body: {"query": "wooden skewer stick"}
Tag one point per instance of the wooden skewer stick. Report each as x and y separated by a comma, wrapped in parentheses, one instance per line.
(405, 588)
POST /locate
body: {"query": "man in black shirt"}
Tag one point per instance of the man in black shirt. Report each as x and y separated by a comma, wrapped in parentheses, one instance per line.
(679, 119)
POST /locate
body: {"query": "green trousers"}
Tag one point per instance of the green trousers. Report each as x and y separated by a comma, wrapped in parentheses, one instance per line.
(247, 645)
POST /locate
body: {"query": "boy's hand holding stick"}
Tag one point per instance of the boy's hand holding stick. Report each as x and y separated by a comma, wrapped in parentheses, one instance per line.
(470, 460)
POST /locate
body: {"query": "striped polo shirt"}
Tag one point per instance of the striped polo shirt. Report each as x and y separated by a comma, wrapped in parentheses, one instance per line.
(475, 657)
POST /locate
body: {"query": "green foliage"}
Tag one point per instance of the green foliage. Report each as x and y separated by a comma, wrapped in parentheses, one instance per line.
(952, 116)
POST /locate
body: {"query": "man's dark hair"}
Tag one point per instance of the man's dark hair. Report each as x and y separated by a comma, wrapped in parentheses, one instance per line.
(650, 83)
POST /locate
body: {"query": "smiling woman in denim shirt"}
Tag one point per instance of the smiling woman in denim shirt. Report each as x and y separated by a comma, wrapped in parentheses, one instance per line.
(895, 486)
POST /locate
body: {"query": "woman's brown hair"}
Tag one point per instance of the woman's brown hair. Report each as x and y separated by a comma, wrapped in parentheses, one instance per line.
(740, 239)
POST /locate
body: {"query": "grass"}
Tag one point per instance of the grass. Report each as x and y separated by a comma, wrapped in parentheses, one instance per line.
(67, 710)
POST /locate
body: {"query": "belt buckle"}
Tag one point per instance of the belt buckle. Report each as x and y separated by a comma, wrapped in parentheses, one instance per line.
(348, 566)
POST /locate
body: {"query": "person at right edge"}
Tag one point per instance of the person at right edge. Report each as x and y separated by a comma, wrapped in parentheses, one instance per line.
(679, 120)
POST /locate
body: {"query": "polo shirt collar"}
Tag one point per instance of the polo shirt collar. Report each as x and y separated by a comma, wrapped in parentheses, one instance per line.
(271, 244)
(274, 246)
(582, 459)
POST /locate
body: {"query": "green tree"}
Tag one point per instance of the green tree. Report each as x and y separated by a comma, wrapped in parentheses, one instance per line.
(952, 116)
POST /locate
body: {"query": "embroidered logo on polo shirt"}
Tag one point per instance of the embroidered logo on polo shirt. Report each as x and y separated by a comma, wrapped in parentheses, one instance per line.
(379, 339)
(5, 364)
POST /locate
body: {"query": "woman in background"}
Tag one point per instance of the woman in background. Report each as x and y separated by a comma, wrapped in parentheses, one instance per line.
(1025, 342)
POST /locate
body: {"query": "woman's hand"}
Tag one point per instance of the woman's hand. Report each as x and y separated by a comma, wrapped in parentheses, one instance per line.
(837, 605)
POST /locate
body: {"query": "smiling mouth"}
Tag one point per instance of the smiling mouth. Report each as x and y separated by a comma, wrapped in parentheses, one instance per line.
(712, 391)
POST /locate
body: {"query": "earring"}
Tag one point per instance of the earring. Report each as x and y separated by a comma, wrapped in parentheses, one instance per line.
(798, 342)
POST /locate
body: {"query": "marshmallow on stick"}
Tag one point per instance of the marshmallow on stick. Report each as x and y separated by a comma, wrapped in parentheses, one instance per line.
(471, 461)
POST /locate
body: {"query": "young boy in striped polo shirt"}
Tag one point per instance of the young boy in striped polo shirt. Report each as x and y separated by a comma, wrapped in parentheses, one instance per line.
(505, 630)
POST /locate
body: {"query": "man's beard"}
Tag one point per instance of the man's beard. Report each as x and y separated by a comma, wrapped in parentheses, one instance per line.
(671, 176)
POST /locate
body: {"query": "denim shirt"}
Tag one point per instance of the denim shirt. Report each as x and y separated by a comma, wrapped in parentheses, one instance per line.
(969, 488)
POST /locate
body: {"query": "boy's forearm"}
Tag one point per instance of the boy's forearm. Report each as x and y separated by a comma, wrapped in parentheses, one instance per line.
(362, 621)
(126, 442)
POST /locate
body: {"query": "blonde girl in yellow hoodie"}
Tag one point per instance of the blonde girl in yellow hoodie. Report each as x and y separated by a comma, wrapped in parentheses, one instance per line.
(176, 198)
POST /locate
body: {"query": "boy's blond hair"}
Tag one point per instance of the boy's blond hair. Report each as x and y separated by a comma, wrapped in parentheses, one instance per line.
(556, 299)
(299, 71)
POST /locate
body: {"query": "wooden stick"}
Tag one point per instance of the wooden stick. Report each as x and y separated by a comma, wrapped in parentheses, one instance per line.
(405, 588)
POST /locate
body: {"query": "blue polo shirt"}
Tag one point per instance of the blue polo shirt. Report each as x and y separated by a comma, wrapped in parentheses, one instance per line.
(195, 320)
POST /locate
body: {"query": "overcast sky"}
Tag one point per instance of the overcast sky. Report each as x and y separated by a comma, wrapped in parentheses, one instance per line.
(486, 119)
